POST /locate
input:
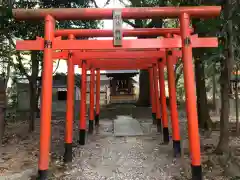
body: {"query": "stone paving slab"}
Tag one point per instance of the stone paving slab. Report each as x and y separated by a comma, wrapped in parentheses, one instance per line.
(127, 126)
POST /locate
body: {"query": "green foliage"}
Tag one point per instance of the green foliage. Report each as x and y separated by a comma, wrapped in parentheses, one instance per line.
(180, 90)
(30, 29)
(22, 62)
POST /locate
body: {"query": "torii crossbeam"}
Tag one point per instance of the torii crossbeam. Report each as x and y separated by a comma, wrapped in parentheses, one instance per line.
(138, 55)
(133, 44)
(109, 33)
(106, 13)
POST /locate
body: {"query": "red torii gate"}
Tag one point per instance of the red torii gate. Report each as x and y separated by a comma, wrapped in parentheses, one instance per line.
(134, 64)
(185, 43)
(118, 66)
(139, 55)
(123, 55)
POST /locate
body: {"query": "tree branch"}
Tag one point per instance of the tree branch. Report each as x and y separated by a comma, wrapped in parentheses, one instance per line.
(130, 23)
(56, 67)
(95, 3)
(7, 75)
(144, 3)
(155, 23)
(178, 64)
(123, 3)
(20, 65)
(96, 6)
(150, 24)
(135, 3)
(106, 3)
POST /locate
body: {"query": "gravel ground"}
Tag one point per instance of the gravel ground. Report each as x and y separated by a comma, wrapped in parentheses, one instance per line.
(106, 157)
(109, 158)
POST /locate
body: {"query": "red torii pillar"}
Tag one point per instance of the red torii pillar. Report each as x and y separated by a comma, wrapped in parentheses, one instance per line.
(69, 108)
(46, 103)
(97, 97)
(163, 102)
(173, 104)
(156, 97)
(91, 115)
(170, 61)
(82, 122)
(152, 94)
(190, 93)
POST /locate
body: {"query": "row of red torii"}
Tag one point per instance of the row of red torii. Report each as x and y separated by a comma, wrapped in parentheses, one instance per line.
(152, 54)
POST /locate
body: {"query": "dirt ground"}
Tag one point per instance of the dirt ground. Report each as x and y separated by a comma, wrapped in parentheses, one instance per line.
(108, 157)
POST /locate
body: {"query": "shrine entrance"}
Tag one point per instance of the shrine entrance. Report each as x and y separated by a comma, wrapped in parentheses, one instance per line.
(122, 88)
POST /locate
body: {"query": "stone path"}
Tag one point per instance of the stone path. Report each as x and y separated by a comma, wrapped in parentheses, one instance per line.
(127, 126)
(109, 157)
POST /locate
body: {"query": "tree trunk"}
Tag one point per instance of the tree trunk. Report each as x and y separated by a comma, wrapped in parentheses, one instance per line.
(33, 90)
(223, 145)
(226, 69)
(3, 109)
(236, 101)
(144, 91)
(214, 89)
(202, 104)
(7, 77)
(2, 124)
(37, 100)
